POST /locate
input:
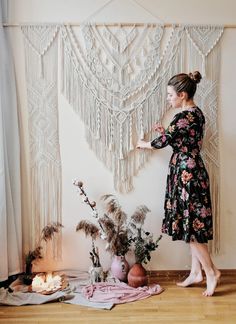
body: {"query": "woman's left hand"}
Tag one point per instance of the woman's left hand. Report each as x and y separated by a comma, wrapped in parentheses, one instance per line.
(158, 128)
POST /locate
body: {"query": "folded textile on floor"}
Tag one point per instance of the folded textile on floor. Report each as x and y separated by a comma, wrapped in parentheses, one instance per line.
(28, 298)
(79, 299)
(21, 298)
(118, 293)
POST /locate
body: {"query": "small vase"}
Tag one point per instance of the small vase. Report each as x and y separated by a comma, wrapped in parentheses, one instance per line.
(96, 274)
(119, 267)
(137, 276)
(27, 276)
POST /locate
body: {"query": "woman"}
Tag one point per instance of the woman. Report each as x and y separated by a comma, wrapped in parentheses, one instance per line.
(188, 214)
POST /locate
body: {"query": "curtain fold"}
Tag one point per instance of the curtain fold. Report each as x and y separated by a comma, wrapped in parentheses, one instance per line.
(10, 194)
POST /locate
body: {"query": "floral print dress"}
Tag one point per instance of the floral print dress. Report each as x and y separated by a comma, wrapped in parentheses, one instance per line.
(188, 214)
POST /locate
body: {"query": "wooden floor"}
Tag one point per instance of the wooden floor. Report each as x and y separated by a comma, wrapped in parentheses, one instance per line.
(174, 305)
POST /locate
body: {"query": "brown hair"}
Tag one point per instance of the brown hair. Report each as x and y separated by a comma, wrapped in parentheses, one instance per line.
(185, 82)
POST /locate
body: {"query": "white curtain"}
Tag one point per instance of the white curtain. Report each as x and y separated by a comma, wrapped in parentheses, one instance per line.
(10, 201)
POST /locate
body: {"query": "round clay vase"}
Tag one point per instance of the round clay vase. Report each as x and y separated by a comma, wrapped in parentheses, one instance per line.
(119, 267)
(137, 276)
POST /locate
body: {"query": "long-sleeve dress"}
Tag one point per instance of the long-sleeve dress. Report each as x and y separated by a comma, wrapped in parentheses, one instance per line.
(188, 213)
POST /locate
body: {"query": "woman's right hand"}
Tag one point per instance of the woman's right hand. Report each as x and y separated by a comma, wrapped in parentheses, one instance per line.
(141, 144)
(158, 128)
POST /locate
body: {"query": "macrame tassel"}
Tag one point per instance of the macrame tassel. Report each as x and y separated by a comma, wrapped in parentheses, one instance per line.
(141, 134)
(62, 63)
(114, 68)
(41, 66)
(203, 66)
(137, 61)
(111, 139)
(131, 146)
(129, 69)
(98, 121)
(121, 156)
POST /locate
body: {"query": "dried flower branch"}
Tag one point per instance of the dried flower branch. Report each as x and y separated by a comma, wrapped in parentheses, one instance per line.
(79, 184)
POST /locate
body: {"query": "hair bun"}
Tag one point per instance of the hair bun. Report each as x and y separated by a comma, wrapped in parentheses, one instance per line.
(195, 76)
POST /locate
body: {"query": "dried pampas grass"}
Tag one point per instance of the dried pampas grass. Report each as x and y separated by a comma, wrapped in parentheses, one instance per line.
(112, 204)
(140, 214)
(49, 230)
(89, 229)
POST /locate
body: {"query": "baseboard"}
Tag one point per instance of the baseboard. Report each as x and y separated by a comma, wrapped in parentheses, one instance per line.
(169, 274)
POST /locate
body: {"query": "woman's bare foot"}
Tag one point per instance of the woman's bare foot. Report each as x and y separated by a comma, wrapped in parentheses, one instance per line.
(191, 279)
(212, 281)
(217, 273)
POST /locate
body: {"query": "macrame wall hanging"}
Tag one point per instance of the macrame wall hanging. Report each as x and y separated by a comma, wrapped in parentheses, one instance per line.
(115, 79)
(41, 61)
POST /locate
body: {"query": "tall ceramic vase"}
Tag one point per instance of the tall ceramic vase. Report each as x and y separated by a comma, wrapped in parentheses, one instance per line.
(119, 267)
(137, 276)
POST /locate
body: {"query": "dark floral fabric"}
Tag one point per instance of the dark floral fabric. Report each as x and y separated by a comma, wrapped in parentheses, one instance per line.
(188, 214)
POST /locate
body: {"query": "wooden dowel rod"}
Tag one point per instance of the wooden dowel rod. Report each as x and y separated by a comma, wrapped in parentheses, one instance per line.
(106, 24)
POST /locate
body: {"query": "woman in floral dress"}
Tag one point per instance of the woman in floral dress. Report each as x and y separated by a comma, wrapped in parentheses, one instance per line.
(188, 214)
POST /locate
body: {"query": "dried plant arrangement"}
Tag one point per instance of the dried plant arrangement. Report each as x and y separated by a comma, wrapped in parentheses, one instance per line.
(47, 234)
(120, 233)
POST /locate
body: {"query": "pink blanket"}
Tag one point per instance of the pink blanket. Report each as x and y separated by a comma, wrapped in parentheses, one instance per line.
(118, 293)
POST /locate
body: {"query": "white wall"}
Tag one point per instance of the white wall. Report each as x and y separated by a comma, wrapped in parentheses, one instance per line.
(79, 162)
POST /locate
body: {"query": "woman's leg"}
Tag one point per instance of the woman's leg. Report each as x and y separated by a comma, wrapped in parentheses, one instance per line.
(212, 273)
(195, 275)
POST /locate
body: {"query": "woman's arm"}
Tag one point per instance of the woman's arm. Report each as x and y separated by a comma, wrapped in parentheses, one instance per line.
(166, 136)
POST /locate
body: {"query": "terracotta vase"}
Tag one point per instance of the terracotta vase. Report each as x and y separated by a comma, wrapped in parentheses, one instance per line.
(119, 267)
(137, 276)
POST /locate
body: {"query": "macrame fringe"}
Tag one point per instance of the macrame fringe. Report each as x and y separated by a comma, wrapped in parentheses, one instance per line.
(123, 170)
(46, 201)
(213, 170)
